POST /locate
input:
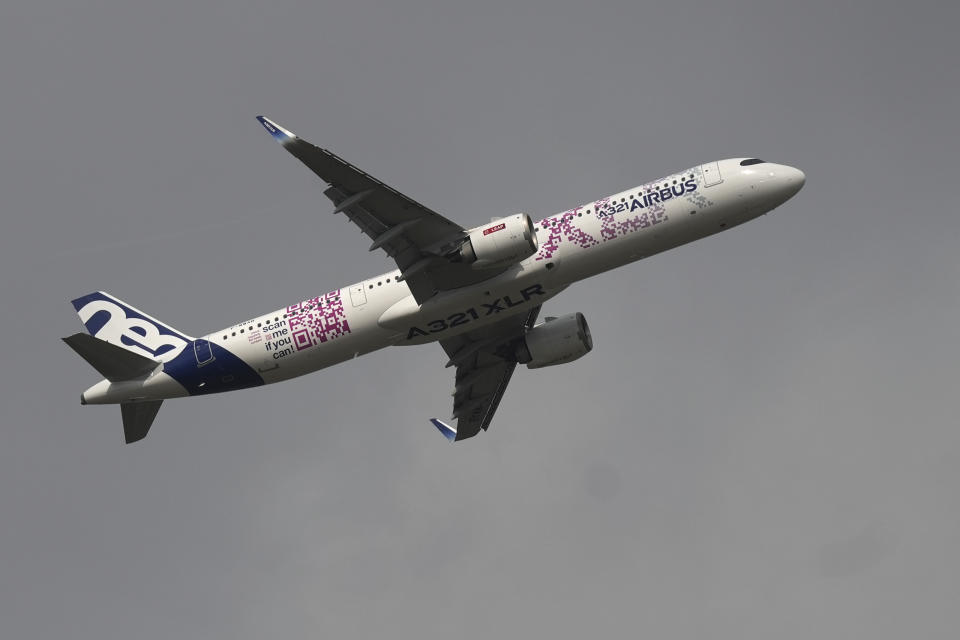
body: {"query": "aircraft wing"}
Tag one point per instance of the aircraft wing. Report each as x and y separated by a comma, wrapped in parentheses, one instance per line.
(416, 237)
(484, 364)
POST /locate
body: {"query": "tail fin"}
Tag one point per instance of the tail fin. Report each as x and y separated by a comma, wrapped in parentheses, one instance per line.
(137, 418)
(116, 322)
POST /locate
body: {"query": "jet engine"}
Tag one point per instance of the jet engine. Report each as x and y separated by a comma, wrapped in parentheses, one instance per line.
(555, 341)
(500, 243)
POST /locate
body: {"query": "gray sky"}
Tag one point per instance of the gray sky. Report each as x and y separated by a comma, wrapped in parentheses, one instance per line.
(764, 442)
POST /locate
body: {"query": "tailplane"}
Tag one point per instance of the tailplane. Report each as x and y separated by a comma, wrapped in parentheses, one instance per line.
(114, 363)
(119, 365)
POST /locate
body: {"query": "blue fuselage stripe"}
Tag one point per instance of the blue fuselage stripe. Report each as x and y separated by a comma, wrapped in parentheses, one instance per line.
(200, 375)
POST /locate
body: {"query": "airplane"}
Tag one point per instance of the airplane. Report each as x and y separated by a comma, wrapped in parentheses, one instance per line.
(477, 291)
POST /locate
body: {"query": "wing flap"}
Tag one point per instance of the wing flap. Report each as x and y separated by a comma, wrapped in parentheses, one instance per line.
(476, 410)
(484, 367)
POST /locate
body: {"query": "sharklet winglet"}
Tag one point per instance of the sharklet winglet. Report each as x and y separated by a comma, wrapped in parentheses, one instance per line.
(448, 432)
(279, 134)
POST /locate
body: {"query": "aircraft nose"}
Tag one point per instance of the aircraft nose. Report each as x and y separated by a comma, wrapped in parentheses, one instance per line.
(794, 179)
(786, 182)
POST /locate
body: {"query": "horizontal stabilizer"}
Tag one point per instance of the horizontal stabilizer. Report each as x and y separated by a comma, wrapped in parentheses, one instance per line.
(450, 433)
(114, 363)
(137, 418)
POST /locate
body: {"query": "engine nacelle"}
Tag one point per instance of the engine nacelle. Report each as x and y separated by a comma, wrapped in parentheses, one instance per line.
(500, 243)
(555, 341)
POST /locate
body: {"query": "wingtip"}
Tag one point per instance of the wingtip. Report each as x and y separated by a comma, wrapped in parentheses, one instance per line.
(448, 432)
(279, 134)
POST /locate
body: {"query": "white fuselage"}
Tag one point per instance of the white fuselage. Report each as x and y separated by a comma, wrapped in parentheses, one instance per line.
(573, 245)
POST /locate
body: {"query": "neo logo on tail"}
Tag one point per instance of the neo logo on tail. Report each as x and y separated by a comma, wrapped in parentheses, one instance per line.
(118, 323)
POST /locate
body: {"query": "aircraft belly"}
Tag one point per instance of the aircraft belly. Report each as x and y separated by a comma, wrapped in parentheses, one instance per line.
(322, 356)
(158, 386)
(288, 356)
(468, 309)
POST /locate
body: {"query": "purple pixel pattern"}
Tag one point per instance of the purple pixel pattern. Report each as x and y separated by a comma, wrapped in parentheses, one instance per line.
(317, 320)
(563, 227)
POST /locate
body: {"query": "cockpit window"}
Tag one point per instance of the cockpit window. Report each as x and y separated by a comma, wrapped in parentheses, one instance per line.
(750, 161)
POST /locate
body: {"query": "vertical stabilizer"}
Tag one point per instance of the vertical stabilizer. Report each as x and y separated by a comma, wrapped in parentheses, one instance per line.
(114, 321)
(137, 418)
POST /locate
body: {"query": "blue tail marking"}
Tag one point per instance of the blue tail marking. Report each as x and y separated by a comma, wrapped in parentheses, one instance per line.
(118, 323)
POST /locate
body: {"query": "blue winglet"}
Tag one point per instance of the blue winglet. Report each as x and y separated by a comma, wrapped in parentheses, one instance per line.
(279, 134)
(448, 432)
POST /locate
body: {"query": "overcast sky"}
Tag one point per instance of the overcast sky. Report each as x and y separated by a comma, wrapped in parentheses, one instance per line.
(763, 443)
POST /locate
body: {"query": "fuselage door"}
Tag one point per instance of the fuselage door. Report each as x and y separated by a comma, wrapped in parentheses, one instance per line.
(201, 349)
(711, 174)
(357, 295)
